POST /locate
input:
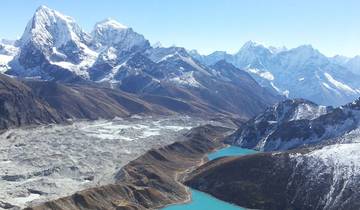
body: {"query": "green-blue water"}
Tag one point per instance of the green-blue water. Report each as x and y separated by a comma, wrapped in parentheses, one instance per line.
(203, 201)
(230, 151)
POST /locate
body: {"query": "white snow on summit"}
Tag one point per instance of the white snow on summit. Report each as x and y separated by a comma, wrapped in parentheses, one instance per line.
(59, 39)
(109, 33)
(50, 28)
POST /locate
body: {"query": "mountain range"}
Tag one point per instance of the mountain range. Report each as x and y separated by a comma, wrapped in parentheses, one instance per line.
(54, 48)
(302, 72)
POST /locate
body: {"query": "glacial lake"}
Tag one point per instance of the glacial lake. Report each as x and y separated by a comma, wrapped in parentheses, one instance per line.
(203, 201)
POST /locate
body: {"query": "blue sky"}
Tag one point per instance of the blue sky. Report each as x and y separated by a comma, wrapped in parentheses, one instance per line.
(332, 26)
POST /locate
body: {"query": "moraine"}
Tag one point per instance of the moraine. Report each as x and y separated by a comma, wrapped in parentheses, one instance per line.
(58, 160)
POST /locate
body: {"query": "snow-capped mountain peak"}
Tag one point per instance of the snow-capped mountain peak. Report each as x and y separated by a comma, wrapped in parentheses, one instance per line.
(251, 44)
(354, 64)
(110, 23)
(252, 54)
(109, 32)
(306, 49)
(50, 28)
(276, 50)
(53, 39)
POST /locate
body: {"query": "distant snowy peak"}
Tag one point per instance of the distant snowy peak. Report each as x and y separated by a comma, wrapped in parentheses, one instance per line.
(253, 47)
(339, 59)
(110, 23)
(293, 109)
(163, 53)
(305, 52)
(110, 33)
(7, 49)
(7, 53)
(252, 44)
(276, 50)
(301, 72)
(354, 64)
(157, 45)
(252, 54)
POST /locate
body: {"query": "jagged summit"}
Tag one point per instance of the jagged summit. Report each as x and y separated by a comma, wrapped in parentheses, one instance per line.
(112, 23)
(251, 43)
(50, 27)
(109, 32)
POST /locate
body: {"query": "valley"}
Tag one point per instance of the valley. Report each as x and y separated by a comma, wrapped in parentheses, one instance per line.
(58, 160)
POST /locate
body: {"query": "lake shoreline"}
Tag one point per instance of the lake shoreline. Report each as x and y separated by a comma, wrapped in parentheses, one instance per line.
(204, 200)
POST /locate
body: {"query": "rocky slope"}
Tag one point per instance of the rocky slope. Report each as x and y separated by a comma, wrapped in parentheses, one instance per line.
(152, 180)
(19, 106)
(296, 123)
(321, 173)
(31, 102)
(40, 102)
(91, 102)
(316, 178)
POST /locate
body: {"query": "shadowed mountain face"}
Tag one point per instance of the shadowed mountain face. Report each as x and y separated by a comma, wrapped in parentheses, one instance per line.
(43, 102)
(27, 102)
(89, 102)
(19, 106)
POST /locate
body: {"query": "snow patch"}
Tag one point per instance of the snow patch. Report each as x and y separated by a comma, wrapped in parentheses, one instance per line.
(4, 62)
(306, 111)
(186, 79)
(264, 74)
(339, 85)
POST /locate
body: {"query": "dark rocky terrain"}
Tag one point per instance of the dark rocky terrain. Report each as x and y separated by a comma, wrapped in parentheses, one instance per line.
(31, 102)
(296, 123)
(317, 178)
(42, 102)
(322, 173)
(19, 106)
(151, 181)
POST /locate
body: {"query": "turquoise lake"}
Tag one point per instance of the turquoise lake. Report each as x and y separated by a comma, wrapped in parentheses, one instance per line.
(230, 151)
(203, 201)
